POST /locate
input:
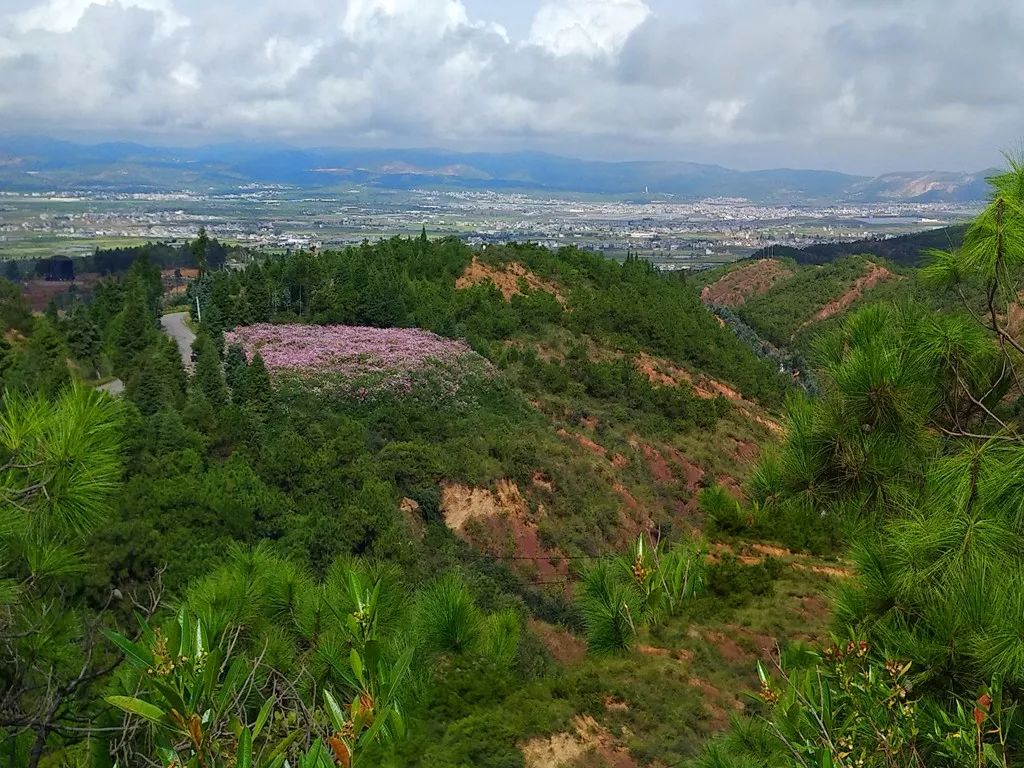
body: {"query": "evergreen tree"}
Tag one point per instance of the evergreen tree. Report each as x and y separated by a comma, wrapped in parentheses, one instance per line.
(209, 374)
(135, 327)
(257, 391)
(42, 363)
(61, 468)
(235, 371)
(382, 302)
(14, 312)
(83, 337)
(260, 296)
(200, 247)
(915, 448)
(173, 370)
(146, 276)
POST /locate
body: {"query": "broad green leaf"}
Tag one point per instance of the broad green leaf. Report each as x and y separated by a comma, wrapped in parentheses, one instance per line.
(357, 665)
(135, 653)
(170, 693)
(762, 674)
(134, 706)
(335, 712)
(243, 757)
(261, 718)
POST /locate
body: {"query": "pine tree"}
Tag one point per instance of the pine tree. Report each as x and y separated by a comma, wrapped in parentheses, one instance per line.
(915, 449)
(200, 247)
(135, 327)
(42, 365)
(83, 336)
(209, 374)
(173, 371)
(61, 470)
(257, 390)
(14, 312)
(234, 371)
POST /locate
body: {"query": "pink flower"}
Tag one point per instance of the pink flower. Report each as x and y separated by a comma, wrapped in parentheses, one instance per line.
(395, 359)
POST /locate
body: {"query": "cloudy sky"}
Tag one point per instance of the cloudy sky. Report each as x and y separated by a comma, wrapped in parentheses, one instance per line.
(856, 85)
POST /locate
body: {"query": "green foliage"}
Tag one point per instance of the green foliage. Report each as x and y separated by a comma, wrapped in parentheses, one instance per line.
(914, 448)
(621, 595)
(786, 311)
(59, 465)
(212, 677)
(209, 376)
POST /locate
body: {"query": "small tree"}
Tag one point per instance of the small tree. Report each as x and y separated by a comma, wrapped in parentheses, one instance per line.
(59, 466)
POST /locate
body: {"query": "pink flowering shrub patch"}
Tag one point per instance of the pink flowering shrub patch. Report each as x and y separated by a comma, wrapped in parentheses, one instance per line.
(363, 362)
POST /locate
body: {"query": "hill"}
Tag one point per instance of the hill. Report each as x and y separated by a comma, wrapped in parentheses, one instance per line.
(510, 416)
(42, 164)
(786, 305)
(905, 250)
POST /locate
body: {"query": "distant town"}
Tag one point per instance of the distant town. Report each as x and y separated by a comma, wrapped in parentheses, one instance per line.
(675, 235)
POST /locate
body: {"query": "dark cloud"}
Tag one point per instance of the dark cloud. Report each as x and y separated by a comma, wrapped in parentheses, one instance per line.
(860, 85)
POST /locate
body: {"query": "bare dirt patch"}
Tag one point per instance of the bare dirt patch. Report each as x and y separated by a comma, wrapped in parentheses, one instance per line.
(727, 646)
(612, 704)
(814, 607)
(732, 486)
(588, 739)
(542, 481)
(39, 293)
(771, 550)
(564, 647)
(627, 497)
(659, 468)
(662, 373)
(507, 279)
(745, 451)
(413, 517)
(753, 279)
(461, 503)
(711, 698)
(679, 654)
(584, 441)
(499, 523)
(692, 473)
(826, 570)
(874, 276)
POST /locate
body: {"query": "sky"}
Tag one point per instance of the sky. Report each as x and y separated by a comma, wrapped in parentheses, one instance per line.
(863, 86)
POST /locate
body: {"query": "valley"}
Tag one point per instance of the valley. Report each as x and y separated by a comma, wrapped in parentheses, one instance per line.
(577, 510)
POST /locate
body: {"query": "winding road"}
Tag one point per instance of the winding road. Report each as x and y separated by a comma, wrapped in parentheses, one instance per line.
(173, 325)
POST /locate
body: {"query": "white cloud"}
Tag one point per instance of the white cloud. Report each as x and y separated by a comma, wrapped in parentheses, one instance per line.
(587, 27)
(369, 20)
(64, 15)
(856, 85)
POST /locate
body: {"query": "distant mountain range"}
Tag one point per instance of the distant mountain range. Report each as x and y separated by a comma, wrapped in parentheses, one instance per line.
(45, 164)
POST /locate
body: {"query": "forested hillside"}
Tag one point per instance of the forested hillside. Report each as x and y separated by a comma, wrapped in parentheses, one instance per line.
(475, 429)
(905, 250)
(410, 504)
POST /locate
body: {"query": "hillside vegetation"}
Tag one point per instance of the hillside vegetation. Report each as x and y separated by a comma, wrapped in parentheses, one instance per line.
(905, 250)
(336, 440)
(409, 504)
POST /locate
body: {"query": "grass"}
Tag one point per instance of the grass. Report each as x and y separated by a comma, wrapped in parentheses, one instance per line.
(662, 701)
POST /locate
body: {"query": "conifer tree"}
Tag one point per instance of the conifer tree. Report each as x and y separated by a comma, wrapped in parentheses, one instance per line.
(256, 387)
(59, 466)
(135, 326)
(209, 374)
(42, 365)
(234, 371)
